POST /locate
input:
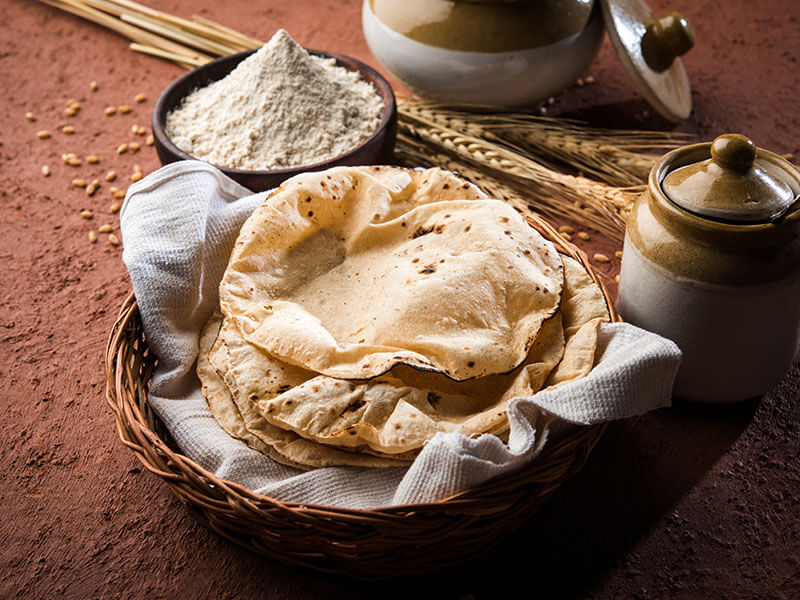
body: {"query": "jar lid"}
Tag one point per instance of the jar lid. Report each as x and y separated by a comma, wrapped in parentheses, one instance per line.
(649, 48)
(734, 185)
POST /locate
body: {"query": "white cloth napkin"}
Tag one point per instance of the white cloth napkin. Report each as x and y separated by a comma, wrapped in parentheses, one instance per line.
(178, 227)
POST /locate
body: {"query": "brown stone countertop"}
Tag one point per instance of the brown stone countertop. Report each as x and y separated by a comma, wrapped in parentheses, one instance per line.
(687, 502)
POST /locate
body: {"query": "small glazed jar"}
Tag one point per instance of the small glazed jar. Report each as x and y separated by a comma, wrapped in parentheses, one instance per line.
(711, 260)
(499, 52)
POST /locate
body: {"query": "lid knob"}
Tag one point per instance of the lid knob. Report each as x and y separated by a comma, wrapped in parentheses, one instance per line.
(733, 152)
(665, 39)
(648, 48)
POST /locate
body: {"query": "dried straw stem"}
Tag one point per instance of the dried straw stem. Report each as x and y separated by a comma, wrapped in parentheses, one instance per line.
(133, 33)
(218, 41)
(184, 61)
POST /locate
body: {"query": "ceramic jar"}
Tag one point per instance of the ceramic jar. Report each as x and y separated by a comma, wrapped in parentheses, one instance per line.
(499, 52)
(711, 260)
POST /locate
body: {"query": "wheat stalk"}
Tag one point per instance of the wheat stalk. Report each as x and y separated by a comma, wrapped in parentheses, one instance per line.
(616, 157)
(579, 199)
(513, 190)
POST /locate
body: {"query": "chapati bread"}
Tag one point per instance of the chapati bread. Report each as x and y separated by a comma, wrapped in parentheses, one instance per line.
(251, 374)
(282, 446)
(347, 413)
(218, 396)
(339, 274)
(367, 309)
(583, 308)
(401, 410)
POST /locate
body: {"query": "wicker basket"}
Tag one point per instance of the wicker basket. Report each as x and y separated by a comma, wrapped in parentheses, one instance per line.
(364, 544)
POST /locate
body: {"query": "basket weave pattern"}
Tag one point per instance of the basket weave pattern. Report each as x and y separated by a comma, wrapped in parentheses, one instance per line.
(365, 544)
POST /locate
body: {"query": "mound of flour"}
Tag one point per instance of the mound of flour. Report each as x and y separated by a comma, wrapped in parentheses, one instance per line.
(281, 107)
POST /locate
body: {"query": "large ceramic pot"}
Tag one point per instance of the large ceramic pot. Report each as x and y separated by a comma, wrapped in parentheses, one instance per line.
(519, 52)
(497, 52)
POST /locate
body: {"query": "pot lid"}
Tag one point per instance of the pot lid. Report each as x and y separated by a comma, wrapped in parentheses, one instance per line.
(649, 48)
(731, 185)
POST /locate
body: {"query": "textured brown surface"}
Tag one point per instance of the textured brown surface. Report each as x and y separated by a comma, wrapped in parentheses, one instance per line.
(687, 502)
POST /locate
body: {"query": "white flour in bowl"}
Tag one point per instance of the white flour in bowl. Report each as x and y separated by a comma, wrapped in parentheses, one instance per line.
(279, 108)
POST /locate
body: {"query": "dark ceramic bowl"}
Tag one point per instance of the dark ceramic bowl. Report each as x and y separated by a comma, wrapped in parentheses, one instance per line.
(376, 149)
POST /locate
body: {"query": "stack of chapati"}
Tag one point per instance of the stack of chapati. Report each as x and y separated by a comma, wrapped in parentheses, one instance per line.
(363, 310)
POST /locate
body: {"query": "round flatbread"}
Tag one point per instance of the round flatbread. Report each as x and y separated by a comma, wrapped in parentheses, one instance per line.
(368, 309)
(583, 308)
(401, 410)
(246, 425)
(343, 275)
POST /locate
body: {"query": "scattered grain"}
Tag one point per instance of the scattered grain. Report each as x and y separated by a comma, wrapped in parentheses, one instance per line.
(81, 183)
(588, 79)
(74, 161)
(551, 101)
(70, 112)
(124, 109)
(140, 97)
(565, 229)
(75, 105)
(105, 228)
(579, 82)
(110, 110)
(616, 279)
(119, 194)
(141, 131)
(114, 208)
(68, 129)
(137, 168)
(113, 239)
(618, 253)
(87, 214)
(788, 156)
(93, 86)
(583, 235)
(601, 258)
(92, 187)
(30, 116)
(93, 159)
(92, 237)
(151, 140)
(137, 175)
(45, 171)
(542, 110)
(134, 146)
(122, 148)
(43, 134)
(111, 176)
(71, 101)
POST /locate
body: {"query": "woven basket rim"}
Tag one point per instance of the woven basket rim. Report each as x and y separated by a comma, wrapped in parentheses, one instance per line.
(129, 365)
